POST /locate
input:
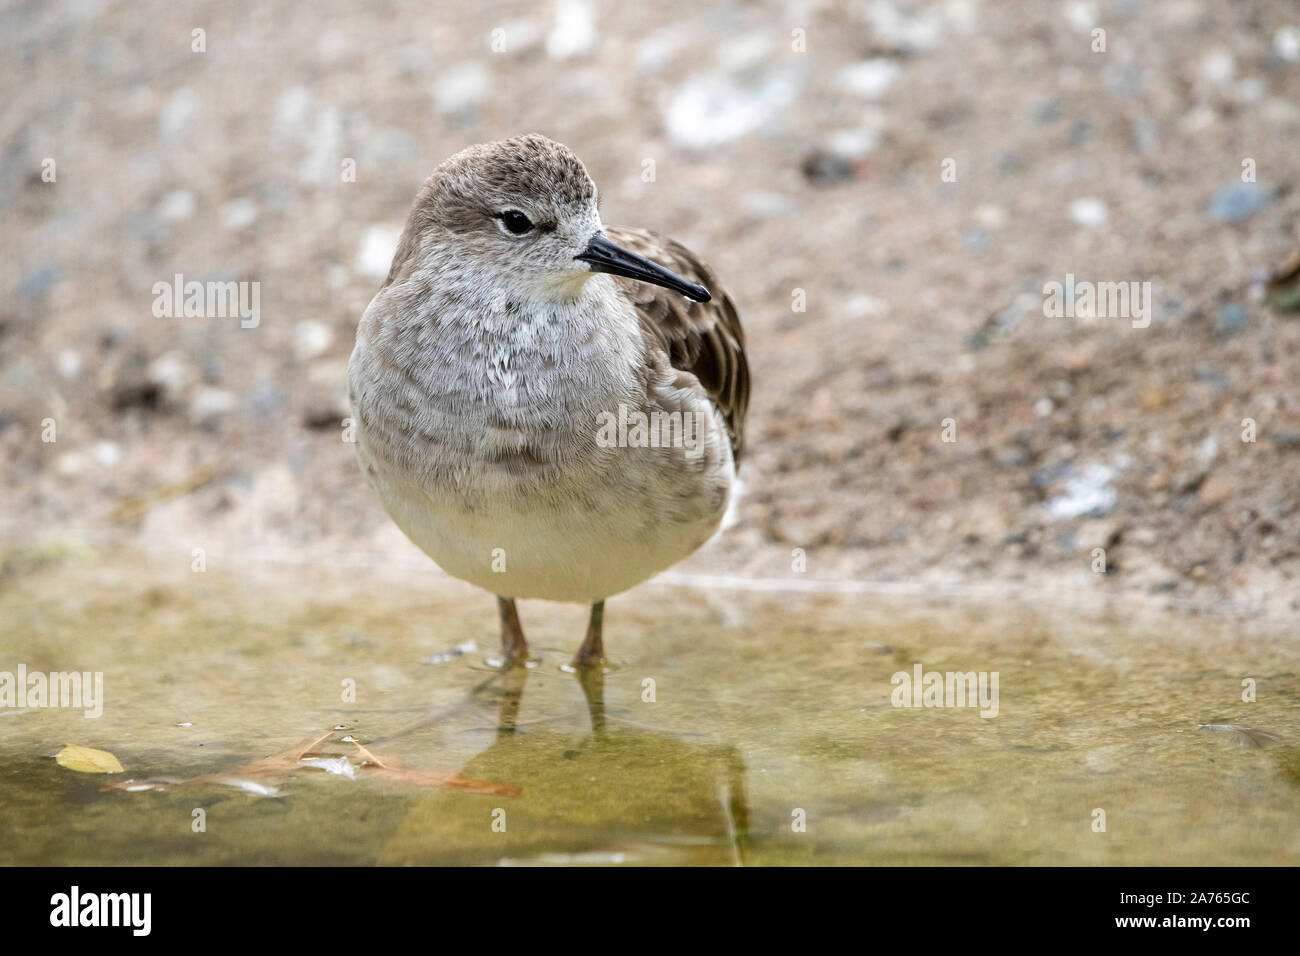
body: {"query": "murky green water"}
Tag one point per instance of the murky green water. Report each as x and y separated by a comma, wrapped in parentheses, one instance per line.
(767, 709)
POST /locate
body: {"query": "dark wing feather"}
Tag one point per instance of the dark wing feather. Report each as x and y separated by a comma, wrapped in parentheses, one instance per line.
(702, 338)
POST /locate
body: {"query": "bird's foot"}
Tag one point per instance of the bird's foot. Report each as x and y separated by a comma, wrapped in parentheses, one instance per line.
(514, 649)
(587, 659)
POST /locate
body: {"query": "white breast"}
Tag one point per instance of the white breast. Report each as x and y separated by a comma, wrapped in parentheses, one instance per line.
(481, 440)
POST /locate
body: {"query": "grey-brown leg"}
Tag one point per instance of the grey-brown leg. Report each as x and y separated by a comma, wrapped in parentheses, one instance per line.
(513, 680)
(592, 682)
(592, 651)
(514, 649)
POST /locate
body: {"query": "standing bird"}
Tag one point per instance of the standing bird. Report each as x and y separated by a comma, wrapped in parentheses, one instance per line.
(547, 407)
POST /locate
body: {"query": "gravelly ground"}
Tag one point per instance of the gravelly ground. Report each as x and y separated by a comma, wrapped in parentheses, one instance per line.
(814, 173)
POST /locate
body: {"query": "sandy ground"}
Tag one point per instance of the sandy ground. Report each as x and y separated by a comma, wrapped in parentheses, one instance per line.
(912, 174)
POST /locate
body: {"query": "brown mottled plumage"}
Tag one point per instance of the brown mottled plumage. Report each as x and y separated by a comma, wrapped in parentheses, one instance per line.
(703, 339)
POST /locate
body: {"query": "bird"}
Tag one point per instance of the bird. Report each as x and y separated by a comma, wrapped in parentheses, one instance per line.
(548, 407)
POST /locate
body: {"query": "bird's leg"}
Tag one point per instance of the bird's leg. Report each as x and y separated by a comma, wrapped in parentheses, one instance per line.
(514, 649)
(592, 682)
(592, 651)
(512, 695)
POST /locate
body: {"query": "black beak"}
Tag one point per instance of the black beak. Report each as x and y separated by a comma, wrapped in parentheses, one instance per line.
(604, 256)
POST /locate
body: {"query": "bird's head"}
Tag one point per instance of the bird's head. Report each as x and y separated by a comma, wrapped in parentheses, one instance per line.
(520, 214)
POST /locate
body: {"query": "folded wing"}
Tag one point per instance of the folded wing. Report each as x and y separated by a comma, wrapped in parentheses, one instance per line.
(703, 339)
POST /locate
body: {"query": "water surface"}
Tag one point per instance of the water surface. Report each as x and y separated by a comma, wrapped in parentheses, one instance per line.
(770, 738)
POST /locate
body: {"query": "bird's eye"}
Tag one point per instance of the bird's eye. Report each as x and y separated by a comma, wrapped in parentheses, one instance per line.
(516, 222)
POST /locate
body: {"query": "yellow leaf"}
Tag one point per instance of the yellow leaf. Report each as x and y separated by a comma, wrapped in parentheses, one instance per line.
(87, 760)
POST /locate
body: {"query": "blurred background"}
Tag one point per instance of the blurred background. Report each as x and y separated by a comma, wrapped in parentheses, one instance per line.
(800, 148)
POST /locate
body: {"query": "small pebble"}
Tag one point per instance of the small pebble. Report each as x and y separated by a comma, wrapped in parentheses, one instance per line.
(375, 255)
(1238, 201)
(68, 364)
(177, 205)
(461, 88)
(107, 453)
(171, 374)
(1232, 319)
(1218, 67)
(869, 79)
(239, 214)
(1286, 44)
(1088, 212)
(574, 31)
(212, 403)
(826, 169)
(177, 113)
(311, 339)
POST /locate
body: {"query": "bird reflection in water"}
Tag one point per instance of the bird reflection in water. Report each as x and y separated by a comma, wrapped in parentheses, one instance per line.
(619, 791)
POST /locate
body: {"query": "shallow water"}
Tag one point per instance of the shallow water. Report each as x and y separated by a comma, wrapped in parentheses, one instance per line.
(766, 709)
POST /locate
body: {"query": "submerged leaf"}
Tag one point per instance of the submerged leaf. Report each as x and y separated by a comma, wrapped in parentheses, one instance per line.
(248, 777)
(140, 786)
(370, 758)
(340, 766)
(87, 760)
(248, 786)
(392, 771)
(440, 778)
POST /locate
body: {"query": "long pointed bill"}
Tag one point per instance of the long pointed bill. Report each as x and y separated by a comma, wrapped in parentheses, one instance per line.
(604, 256)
